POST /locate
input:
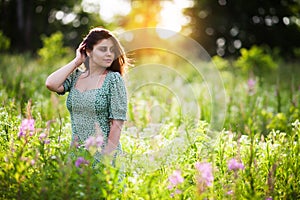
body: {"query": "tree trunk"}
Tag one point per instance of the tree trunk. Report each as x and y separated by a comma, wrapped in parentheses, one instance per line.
(28, 24)
(20, 15)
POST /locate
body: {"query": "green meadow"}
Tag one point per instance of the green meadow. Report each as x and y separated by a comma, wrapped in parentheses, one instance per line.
(171, 149)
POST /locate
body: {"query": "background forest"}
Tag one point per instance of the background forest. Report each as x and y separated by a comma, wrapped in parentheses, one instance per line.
(213, 95)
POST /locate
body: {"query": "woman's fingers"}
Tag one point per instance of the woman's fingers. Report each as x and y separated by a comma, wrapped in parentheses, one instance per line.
(80, 53)
(81, 47)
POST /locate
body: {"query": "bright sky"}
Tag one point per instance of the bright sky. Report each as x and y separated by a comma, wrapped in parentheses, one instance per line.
(171, 14)
(107, 8)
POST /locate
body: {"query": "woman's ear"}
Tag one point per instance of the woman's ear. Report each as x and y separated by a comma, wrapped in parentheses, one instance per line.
(88, 52)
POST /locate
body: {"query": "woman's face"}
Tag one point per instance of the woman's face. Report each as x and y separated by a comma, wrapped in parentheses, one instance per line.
(103, 53)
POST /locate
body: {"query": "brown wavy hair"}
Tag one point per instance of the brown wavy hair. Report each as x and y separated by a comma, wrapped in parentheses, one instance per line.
(94, 36)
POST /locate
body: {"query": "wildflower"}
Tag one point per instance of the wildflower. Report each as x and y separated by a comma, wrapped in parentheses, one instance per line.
(99, 141)
(205, 170)
(46, 141)
(94, 141)
(26, 125)
(269, 198)
(80, 161)
(32, 162)
(175, 179)
(229, 192)
(75, 142)
(251, 85)
(234, 165)
(176, 192)
(42, 136)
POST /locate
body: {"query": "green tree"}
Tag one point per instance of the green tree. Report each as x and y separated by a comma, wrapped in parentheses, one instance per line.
(255, 61)
(53, 49)
(29, 19)
(4, 42)
(223, 27)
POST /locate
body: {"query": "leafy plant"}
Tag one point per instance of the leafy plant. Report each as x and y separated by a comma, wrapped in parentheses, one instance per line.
(53, 49)
(221, 63)
(4, 42)
(256, 61)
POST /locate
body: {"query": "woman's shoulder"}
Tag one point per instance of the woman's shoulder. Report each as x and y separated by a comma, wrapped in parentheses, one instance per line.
(114, 75)
(76, 73)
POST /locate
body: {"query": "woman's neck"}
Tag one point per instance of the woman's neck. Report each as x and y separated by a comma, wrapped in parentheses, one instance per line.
(97, 71)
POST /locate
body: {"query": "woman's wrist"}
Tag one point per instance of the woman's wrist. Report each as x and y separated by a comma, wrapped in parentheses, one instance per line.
(77, 62)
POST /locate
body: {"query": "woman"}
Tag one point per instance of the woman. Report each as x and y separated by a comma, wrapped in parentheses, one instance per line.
(97, 96)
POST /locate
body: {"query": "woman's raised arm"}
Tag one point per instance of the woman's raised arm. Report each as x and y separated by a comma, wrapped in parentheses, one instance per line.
(55, 80)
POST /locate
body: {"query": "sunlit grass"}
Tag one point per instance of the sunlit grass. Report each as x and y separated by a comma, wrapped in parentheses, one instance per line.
(163, 148)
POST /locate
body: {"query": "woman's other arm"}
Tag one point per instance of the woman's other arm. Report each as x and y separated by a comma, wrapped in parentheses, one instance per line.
(114, 137)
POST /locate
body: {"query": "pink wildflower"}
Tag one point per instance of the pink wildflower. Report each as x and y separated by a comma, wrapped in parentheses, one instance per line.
(176, 192)
(42, 136)
(94, 141)
(205, 171)
(175, 179)
(251, 85)
(234, 165)
(75, 142)
(269, 198)
(229, 192)
(32, 162)
(26, 125)
(80, 161)
(46, 141)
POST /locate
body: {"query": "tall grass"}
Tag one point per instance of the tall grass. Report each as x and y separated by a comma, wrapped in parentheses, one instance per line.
(163, 146)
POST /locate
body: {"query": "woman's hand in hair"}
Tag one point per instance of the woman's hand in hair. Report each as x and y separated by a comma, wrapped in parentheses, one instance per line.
(80, 54)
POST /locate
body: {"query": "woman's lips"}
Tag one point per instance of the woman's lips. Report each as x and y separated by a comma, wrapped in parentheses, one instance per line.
(107, 60)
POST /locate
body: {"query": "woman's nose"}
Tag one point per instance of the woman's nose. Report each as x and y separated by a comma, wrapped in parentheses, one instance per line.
(108, 52)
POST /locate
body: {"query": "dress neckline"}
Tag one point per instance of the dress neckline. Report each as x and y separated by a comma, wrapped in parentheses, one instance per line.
(81, 92)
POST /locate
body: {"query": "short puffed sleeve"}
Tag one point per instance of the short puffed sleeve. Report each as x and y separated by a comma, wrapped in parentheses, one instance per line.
(117, 97)
(68, 83)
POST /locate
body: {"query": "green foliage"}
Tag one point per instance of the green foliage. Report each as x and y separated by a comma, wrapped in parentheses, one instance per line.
(4, 42)
(278, 122)
(53, 49)
(157, 140)
(246, 25)
(296, 52)
(256, 61)
(221, 63)
(26, 21)
(32, 167)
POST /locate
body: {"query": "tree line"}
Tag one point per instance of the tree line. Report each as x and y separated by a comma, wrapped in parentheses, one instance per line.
(222, 27)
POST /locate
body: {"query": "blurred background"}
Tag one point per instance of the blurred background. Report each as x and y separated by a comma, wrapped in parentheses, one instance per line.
(222, 27)
(248, 93)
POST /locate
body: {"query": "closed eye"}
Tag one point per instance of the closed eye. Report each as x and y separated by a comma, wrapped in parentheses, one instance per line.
(104, 49)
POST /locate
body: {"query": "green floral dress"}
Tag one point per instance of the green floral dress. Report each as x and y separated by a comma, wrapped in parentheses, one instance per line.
(96, 107)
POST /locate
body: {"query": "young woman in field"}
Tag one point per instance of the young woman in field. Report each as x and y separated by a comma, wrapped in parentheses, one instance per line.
(97, 99)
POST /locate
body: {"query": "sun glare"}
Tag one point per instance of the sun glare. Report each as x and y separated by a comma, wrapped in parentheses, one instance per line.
(107, 9)
(172, 18)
